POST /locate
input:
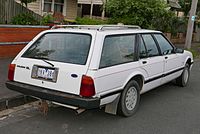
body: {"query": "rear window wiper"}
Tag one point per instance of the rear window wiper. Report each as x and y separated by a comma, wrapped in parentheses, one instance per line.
(43, 59)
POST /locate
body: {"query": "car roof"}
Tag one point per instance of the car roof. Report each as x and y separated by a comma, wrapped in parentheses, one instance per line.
(105, 29)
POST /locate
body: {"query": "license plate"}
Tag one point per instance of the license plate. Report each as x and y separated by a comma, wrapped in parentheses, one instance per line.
(44, 73)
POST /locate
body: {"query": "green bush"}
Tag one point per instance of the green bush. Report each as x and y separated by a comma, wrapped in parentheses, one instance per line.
(178, 25)
(47, 19)
(88, 21)
(150, 14)
(24, 19)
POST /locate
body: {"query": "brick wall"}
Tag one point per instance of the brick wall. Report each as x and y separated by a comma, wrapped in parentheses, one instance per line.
(14, 38)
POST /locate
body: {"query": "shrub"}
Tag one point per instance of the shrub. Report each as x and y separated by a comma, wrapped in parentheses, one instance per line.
(178, 25)
(24, 19)
(151, 14)
(47, 19)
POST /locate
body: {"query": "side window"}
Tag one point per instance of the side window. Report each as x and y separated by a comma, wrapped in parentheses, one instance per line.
(165, 46)
(117, 50)
(142, 49)
(152, 49)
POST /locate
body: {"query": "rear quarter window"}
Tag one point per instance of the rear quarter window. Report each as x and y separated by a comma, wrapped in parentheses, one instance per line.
(117, 49)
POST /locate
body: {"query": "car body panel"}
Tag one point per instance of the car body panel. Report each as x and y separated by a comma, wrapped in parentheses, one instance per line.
(110, 81)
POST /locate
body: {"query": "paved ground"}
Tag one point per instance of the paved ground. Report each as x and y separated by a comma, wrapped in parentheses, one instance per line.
(4, 92)
(9, 98)
(168, 109)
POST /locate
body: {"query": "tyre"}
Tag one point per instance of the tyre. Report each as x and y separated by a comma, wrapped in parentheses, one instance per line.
(129, 100)
(184, 78)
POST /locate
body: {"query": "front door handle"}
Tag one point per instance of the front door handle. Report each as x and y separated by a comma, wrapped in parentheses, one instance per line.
(144, 62)
(166, 57)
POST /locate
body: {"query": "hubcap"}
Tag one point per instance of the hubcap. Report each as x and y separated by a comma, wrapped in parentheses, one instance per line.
(186, 75)
(131, 98)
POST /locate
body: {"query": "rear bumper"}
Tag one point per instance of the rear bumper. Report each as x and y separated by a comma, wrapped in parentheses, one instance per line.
(52, 95)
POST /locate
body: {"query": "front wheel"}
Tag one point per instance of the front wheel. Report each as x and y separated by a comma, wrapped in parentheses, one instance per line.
(129, 100)
(184, 78)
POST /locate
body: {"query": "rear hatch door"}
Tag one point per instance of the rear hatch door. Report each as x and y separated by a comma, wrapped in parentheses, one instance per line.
(56, 61)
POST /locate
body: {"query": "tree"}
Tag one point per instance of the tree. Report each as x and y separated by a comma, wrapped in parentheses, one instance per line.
(26, 2)
(186, 5)
(145, 13)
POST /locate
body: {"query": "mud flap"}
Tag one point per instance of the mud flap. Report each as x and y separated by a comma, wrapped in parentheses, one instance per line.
(111, 108)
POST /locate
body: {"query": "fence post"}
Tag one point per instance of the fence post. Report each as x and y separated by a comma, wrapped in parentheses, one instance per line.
(6, 11)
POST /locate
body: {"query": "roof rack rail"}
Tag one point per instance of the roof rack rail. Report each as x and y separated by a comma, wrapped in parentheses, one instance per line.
(97, 27)
(118, 27)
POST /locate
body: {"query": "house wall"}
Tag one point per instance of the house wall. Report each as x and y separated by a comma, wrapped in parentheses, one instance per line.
(71, 9)
(34, 6)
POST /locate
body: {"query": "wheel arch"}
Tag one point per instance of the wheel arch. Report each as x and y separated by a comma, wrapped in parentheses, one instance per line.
(188, 61)
(138, 77)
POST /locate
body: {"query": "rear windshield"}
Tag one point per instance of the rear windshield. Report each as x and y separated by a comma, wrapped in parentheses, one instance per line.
(64, 47)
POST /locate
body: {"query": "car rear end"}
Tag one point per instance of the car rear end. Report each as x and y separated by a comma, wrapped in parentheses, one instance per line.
(54, 67)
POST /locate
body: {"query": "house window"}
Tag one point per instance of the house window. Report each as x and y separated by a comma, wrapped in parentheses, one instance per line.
(47, 5)
(53, 6)
(58, 6)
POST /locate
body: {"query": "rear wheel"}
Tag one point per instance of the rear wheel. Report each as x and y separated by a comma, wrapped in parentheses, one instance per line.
(184, 78)
(129, 100)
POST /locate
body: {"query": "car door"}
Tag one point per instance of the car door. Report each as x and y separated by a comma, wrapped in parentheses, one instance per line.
(172, 61)
(151, 61)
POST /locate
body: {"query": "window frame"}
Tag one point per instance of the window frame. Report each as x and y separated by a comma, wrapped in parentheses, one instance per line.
(134, 47)
(61, 4)
(158, 47)
(139, 42)
(173, 52)
(53, 3)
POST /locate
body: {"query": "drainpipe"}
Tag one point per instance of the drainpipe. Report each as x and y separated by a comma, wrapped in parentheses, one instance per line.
(91, 9)
(103, 12)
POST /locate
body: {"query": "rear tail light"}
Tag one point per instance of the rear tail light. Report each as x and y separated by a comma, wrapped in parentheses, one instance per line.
(11, 72)
(87, 86)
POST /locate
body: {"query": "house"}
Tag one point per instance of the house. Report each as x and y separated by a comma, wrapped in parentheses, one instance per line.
(96, 7)
(174, 4)
(68, 8)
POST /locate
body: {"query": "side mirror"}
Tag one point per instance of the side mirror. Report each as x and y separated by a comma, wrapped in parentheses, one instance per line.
(179, 50)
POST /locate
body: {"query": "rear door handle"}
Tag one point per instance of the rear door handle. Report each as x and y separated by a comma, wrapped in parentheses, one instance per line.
(166, 57)
(144, 62)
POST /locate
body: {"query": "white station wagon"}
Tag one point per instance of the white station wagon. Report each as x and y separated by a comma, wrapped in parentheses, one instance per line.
(88, 67)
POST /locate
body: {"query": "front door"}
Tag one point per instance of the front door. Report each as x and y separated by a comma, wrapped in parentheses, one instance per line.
(151, 62)
(172, 62)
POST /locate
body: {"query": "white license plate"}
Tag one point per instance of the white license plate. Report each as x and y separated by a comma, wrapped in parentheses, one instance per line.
(45, 73)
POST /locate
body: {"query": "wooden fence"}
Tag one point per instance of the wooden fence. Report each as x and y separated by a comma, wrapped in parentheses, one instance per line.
(10, 8)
